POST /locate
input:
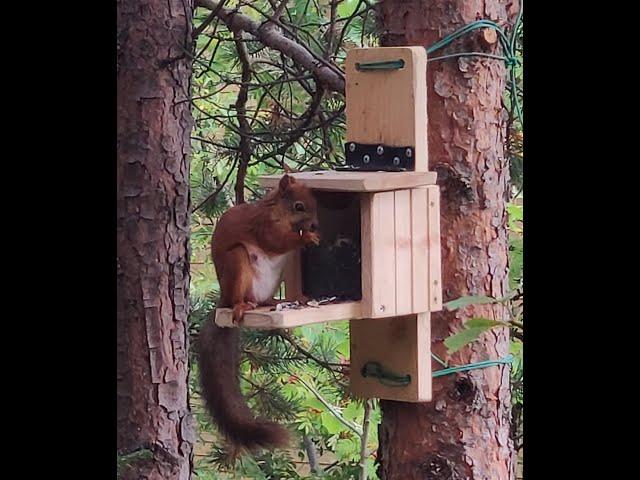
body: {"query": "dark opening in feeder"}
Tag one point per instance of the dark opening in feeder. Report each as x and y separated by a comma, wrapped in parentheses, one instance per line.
(334, 267)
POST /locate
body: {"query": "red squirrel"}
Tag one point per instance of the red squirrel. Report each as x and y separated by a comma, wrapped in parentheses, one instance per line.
(249, 247)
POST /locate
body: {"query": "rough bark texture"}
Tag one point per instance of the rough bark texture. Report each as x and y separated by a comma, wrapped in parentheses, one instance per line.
(464, 432)
(153, 129)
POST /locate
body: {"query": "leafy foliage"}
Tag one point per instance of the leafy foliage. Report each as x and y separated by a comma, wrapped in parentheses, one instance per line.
(472, 330)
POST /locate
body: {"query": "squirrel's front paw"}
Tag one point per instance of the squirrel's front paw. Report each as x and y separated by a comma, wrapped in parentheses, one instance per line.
(239, 309)
(311, 238)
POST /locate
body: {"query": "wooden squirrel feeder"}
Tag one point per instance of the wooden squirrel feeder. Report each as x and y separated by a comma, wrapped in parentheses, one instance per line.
(380, 226)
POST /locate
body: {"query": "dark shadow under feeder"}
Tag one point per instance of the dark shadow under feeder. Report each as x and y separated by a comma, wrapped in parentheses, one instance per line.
(333, 269)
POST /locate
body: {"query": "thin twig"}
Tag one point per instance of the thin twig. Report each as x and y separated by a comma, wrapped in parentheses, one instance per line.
(243, 124)
(312, 454)
(214, 13)
(366, 424)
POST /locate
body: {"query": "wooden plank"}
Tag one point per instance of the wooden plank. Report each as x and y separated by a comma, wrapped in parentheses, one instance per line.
(423, 356)
(402, 217)
(331, 180)
(293, 276)
(378, 255)
(384, 254)
(401, 345)
(265, 318)
(419, 250)
(388, 106)
(434, 290)
(367, 244)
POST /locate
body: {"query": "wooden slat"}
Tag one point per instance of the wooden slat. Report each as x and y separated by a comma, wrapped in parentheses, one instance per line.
(434, 290)
(423, 356)
(293, 276)
(419, 250)
(399, 344)
(388, 106)
(367, 245)
(378, 255)
(384, 286)
(264, 318)
(331, 180)
(403, 260)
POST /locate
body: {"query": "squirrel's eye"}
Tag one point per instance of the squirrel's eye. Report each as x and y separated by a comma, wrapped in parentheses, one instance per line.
(298, 207)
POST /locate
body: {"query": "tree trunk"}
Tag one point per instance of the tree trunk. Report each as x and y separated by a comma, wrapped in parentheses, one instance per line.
(464, 432)
(154, 426)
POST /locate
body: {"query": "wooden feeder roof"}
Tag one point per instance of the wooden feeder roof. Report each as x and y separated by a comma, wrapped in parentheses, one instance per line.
(338, 181)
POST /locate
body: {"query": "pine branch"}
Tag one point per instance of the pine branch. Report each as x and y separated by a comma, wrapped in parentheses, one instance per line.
(332, 409)
(236, 22)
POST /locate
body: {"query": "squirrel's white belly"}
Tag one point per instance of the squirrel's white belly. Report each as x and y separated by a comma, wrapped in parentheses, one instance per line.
(267, 273)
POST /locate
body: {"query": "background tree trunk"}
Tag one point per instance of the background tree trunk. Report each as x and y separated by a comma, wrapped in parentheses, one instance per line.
(155, 433)
(464, 432)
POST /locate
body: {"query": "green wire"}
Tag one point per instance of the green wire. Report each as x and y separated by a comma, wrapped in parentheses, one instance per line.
(508, 45)
(385, 65)
(391, 379)
(386, 377)
(468, 54)
(473, 366)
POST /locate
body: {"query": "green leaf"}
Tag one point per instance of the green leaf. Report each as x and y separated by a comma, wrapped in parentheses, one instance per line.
(346, 449)
(343, 348)
(331, 423)
(515, 261)
(482, 323)
(470, 300)
(353, 412)
(515, 349)
(313, 402)
(472, 330)
(347, 8)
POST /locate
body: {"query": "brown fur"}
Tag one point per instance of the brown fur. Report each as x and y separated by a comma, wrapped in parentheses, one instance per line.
(273, 225)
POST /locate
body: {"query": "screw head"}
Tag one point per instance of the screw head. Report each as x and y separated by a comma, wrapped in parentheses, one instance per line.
(382, 308)
(396, 161)
(408, 153)
(379, 150)
(352, 147)
(366, 159)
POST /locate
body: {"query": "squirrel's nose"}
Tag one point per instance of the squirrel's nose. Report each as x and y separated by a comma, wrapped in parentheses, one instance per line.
(313, 227)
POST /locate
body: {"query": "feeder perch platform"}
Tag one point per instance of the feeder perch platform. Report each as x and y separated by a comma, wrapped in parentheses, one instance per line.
(267, 318)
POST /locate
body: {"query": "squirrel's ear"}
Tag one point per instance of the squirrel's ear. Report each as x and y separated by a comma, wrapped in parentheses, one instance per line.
(285, 182)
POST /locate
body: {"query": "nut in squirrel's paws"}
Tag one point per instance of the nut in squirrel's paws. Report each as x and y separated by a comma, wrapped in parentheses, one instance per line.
(310, 238)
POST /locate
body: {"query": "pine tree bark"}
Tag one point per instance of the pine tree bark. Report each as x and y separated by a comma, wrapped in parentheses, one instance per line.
(464, 432)
(155, 433)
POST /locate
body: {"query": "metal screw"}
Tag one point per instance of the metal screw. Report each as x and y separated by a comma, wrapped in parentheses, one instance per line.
(396, 161)
(352, 147)
(379, 150)
(382, 308)
(366, 159)
(408, 153)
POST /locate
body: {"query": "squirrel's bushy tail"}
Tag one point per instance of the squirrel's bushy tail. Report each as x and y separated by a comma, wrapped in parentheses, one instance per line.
(219, 358)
